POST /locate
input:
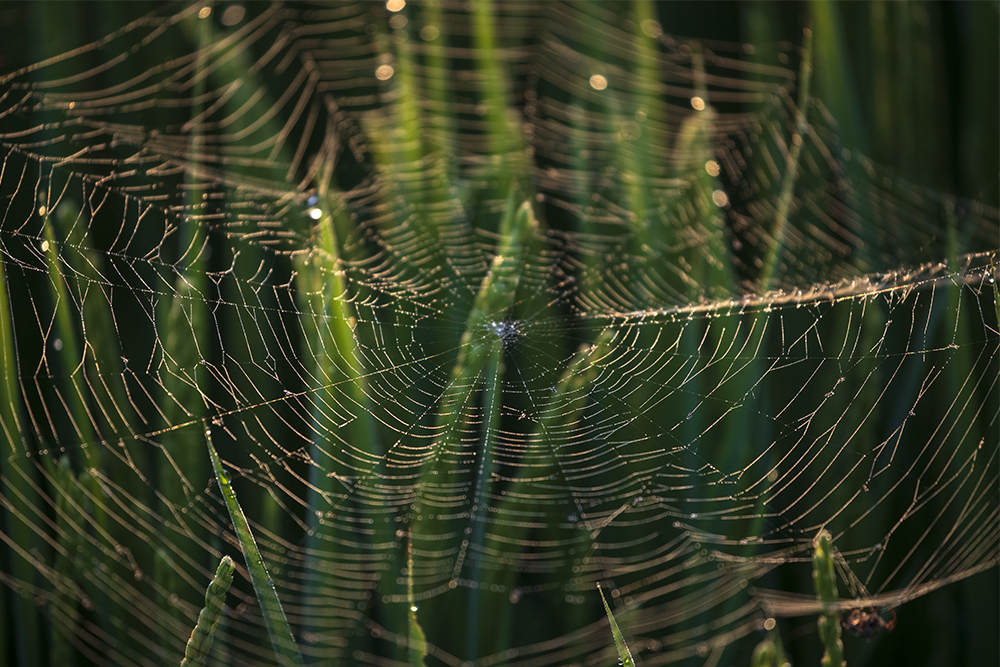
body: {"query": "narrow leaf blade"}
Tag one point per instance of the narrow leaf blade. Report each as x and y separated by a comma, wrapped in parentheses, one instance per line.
(624, 654)
(278, 629)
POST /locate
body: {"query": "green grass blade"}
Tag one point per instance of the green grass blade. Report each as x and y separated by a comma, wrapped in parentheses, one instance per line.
(573, 393)
(837, 85)
(418, 640)
(75, 429)
(185, 320)
(495, 84)
(624, 654)
(505, 140)
(769, 652)
(17, 475)
(70, 554)
(776, 247)
(278, 629)
(441, 141)
(477, 371)
(493, 302)
(70, 352)
(493, 376)
(337, 372)
(695, 162)
(492, 306)
(200, 642)
(825, 580)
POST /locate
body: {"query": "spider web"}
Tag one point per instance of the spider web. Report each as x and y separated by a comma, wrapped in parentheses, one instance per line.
(474, 331)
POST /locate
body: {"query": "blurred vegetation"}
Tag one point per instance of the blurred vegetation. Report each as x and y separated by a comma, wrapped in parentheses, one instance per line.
(910, 85)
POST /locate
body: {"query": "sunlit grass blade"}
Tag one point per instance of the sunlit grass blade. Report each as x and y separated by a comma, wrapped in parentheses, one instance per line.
(441, 141)
(624, 654)
(505, 142)
(200, 643)
(397, 136)
(336, 377)
(412, 142)
(695, 161)
(278, 630)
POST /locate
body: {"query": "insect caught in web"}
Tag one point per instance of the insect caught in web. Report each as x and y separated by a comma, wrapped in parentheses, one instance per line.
(867, 624)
